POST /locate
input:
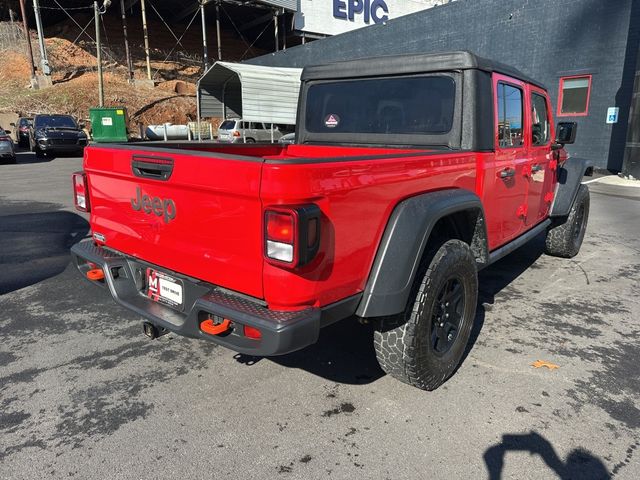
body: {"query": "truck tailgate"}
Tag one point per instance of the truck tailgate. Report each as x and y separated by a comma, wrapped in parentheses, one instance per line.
(203, 220)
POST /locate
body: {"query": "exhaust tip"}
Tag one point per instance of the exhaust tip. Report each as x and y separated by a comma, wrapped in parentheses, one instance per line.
(150, 330)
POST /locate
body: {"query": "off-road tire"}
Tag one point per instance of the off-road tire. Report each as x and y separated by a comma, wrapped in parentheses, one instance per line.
(404, 343)
(565, 240)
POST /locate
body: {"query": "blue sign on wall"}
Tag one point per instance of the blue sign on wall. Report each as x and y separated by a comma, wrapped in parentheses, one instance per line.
(376, 10)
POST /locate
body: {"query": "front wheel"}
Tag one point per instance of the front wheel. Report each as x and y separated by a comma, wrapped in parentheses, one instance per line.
(424, 345)
(565, 240)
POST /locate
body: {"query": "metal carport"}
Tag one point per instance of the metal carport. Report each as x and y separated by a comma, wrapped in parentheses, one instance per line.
(251, 92)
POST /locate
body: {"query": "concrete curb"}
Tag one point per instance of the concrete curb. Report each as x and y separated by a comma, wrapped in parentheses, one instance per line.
(615, 180)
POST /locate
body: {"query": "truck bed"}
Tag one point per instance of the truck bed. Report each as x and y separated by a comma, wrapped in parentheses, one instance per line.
(219, 192)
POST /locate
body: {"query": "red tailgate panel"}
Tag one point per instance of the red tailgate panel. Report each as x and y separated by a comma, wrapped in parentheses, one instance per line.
(215, 234)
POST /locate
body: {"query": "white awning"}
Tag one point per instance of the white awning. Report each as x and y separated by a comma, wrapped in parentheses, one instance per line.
(251, 92)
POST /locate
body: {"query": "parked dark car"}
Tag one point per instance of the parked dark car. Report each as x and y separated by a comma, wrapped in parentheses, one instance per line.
(7, 151)
(21, 131)
(53, 134)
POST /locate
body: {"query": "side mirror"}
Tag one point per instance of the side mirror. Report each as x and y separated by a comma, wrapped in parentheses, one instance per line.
(82, 126)
(566, 132)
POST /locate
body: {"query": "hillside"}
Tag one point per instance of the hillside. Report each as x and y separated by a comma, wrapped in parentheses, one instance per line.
(75, 88)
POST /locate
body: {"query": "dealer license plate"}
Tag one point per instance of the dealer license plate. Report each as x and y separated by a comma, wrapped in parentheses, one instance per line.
(163, 288)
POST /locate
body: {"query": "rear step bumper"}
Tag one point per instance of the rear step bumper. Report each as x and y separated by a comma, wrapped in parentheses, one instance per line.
(281, 331)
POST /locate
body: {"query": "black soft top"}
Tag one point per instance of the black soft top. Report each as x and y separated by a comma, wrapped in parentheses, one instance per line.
(413, 63)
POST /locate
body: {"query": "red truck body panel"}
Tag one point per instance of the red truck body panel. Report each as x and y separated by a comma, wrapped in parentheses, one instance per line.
(356, 198)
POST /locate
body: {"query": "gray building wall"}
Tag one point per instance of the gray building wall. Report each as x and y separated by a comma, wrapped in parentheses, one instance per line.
(545, 39)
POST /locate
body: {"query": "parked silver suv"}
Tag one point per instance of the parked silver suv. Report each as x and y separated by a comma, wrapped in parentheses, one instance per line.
(240, 131)
(7, 150)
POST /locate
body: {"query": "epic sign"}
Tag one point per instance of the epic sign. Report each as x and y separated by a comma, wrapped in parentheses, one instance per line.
(376, 10)
(332, 17)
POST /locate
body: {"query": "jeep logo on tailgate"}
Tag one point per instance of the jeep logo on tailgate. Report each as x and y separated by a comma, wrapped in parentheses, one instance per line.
(165, 208)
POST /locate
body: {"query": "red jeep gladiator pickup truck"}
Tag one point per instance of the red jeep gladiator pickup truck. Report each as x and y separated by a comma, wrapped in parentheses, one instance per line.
(409, 174)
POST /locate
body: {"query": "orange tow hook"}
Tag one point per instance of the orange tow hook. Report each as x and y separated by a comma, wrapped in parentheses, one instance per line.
(95, 274)
(215, 329)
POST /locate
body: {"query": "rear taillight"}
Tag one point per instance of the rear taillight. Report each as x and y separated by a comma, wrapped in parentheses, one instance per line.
(81, 192)
(236, 133)
(292, 234)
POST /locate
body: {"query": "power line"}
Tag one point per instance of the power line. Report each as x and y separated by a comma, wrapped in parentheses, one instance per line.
(178, 42)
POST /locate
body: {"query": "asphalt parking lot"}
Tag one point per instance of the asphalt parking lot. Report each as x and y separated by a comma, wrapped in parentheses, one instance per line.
(84, 395)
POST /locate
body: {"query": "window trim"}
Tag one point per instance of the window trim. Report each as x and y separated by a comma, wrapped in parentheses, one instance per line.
(523, 91)
(561, 95)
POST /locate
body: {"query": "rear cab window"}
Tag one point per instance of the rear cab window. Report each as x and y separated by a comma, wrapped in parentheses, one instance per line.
(413, 105)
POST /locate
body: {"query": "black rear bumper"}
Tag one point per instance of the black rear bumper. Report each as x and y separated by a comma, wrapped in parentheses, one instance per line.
(282, 331)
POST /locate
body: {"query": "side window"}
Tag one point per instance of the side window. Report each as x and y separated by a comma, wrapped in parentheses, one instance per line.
(574, 95)
(510, 116)
(539, 120)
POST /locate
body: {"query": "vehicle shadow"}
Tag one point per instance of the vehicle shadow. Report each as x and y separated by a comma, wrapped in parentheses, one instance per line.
(344, 352)
(579, 464)
(35, 246)
(27, 157)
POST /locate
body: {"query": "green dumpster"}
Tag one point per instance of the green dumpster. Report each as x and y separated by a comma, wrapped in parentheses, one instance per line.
(108, 124)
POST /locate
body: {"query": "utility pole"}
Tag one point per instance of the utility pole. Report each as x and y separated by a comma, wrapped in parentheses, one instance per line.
(204, 36)
(126, 39)
(28, 39)
(275, 26)
(46, 69)
(284, 30)
(146, 37)
(96, 13)
(218, 30)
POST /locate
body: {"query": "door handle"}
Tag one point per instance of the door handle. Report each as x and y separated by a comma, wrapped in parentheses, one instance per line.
(507, 172)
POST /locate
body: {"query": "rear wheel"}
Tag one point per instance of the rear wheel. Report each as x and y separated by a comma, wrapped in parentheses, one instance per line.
(38, 151)
(250, 140)
(565, 240)
(424, 345)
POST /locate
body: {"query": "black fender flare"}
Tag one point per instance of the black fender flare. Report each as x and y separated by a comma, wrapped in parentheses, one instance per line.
(403, 244)
(570, 175)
